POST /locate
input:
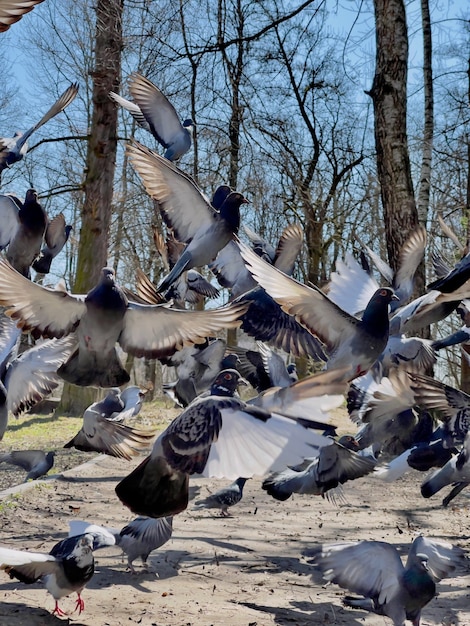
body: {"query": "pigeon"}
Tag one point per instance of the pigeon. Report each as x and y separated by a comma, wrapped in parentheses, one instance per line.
(185, 209)
(374, 570)
(454, 279)
(102, 318)
(57, 235)
(66, 569)
(9, 218)
(13, 149)
(350, 341)
(334, 465)
(26, 244)
(263, 368)
(101, 434)
(137, 539)
(11, 11)
(196, 368)
(155, 113)
(36, 462)
(30, 377)
(223, 498)
(456, 470)
(218, 435)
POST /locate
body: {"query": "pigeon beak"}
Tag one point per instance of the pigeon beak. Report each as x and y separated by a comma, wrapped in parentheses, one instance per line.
(243, 382)
(395, 297)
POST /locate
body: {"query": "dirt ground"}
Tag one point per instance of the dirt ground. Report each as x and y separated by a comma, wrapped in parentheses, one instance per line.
(247, 570)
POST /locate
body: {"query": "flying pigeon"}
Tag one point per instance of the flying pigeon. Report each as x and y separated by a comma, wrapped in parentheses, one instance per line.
(67, 568)
(13, 149)
(101, 319)
(56, 236)
(137, 539)
(217, 435)
(351, 342)
(28, 378)
(334, 465)
(11, 11)
(204, 226)
(374, 570)
(223, 498)
(155, 113)
(9, 218)
(36, 462)
(102, 434)
(456, 470)
(26, 243)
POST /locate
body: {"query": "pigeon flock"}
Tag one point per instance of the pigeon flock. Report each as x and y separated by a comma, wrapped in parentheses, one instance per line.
(359, 335)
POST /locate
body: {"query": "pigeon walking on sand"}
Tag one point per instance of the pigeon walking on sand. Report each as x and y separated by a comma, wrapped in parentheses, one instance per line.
(224, 498)
(66, 569)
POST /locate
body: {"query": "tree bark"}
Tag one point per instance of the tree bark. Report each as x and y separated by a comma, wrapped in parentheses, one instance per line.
(389, 98)
(99, 172)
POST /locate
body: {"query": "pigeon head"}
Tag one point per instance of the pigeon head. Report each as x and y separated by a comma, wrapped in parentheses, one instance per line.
(226, 383)
(230, 209)
(220, 195)
(107, 275)
(378, 305)
(189, 124)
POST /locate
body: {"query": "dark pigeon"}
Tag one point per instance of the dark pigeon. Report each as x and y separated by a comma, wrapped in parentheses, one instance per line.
(155, 113)
(455, 471)
(26, 244)
(224, 498)
(217, 435)
(13, 149)
(35, 462)
(101, 319)
(374, 570)
(66, 569)
(351, 342)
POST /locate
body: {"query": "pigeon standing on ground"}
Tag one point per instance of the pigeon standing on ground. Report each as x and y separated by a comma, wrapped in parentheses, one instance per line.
(217, 435)
(25, 246)
(101, 319)
(155, 113)
(137, 539)
(374, 570)
(223, 498)
(67, 568)
(13, 149)
(36, 462)
(351, 342)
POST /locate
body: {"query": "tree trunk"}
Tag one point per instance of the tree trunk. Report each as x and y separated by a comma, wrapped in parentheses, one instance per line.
(99, 172)
(389, 98)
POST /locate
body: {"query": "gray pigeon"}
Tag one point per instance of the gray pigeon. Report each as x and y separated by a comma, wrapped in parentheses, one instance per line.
(66, 569)
(351, 342)
(13, 149)
(217, 435)
(108, 436)
(137, 539)
(26, 244)
(11, 11)
(204, 226)
(9, 219)
(103, 318)
(455, 471)
(56, 236)
(155, 113)
(36, 462)
(334, 465)
(223, 498)
(374, 570)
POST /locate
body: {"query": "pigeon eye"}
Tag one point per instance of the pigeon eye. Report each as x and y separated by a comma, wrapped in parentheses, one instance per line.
(383, 292)
(228, 376)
